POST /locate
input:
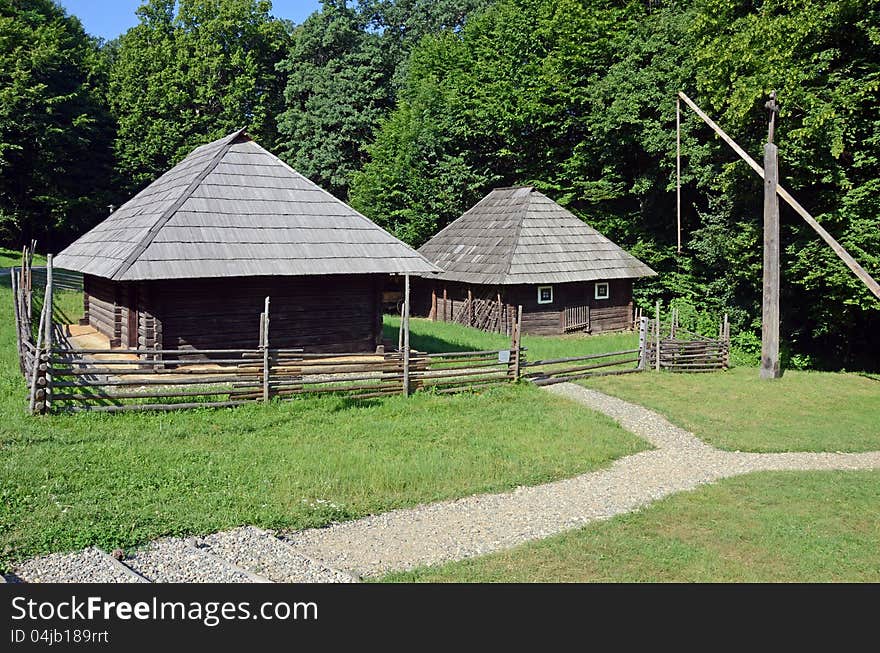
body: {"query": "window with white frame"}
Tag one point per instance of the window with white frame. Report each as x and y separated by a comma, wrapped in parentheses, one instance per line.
(602, 290)
(545, 294)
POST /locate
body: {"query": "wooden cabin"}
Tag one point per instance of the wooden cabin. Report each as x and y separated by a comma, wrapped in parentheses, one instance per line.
(517, 247)
(188, 261)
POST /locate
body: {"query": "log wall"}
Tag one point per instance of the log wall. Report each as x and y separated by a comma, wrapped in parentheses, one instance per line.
(612, 314)
(324, 314)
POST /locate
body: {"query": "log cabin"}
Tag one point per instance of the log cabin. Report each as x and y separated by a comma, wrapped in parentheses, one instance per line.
(187, 262)
(517, 247)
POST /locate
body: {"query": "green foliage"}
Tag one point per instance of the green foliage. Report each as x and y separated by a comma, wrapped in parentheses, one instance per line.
(193, 71)
(55, 130)
(342, 70)
(578, 98)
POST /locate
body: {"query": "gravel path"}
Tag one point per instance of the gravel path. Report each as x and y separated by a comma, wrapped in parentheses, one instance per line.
(175, 560)
(451, 530)
(260, 552)
(477, 525)
(88, 566)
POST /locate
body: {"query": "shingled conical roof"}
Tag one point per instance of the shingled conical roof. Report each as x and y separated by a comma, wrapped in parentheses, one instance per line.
(229, 209)
(521, 236)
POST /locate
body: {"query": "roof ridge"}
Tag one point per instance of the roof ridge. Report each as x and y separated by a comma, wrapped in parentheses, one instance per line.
(171, 210)
(522, 218)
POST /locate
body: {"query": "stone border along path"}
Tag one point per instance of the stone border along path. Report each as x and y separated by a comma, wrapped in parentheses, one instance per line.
(450, 530)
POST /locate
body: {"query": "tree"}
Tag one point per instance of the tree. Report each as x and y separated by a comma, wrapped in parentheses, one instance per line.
(342, 72)
(55, 129)
(579, 99)
(193, 71)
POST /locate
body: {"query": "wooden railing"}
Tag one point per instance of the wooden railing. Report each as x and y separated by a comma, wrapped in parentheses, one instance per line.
(559, 370)
(576, 318)
(76, 381)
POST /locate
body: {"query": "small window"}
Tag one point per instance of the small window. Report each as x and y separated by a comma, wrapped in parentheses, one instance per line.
(602, 291)
(545, 294)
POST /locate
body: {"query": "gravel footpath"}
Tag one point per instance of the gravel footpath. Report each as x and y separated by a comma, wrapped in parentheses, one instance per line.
(452, 530)
(175, 560)
(477, 525)
(88, 566)
(260, 552)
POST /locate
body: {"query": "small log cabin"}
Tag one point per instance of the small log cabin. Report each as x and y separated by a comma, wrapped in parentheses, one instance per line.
(517, 247)
(187, 262)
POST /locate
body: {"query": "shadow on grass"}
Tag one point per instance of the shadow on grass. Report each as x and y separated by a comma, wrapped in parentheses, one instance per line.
(426, 343)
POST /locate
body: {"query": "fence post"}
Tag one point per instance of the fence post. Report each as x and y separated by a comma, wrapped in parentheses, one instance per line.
(18, 332)
(49, 300)
(657, 340)
(405, 324)
(517, 330)
(35, 371)
(643, 343)
(265, 343)
(726, 338)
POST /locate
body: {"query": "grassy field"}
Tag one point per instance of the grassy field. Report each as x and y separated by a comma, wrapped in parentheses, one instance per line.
(768, 527)
(429, 336)
(68, 481)
(10, 258)
(802, 411)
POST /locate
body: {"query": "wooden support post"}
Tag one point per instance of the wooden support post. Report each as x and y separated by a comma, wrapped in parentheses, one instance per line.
(725, 336)
(657, 339)
(678, 169)
(643, 343)
(445, 318)
(850, 262)
(49, 300)
(517, 344)
(470, 307)
(770, 305)
(405, 323)
(35, 371)
(19, 345)
(433, 304)
(265, 341)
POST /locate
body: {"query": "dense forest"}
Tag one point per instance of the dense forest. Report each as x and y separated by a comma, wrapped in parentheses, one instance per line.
(411, 110)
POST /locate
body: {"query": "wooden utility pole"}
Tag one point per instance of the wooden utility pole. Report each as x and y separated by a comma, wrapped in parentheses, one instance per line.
(770, 305)
(405, 322)
(844, 256)
(678, 169)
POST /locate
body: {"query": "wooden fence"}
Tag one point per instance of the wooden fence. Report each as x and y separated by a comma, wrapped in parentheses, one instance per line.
(63, 279)
(487, 313)
(673, 348)
(65, 379)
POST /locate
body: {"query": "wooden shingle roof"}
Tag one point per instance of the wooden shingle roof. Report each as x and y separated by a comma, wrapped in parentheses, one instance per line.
(231, 208)
(521, 236)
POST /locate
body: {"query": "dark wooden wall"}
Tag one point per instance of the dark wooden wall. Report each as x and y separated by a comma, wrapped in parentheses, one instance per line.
(612, 314)
(324, 314)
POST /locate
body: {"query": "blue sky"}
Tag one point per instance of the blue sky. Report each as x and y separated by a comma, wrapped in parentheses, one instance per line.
(110, 18)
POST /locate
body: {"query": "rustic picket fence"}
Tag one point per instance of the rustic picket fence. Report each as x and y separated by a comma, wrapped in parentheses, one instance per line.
(670, 347)
(62, 378)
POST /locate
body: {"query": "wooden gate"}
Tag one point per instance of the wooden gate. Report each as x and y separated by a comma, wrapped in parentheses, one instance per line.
(575, 318)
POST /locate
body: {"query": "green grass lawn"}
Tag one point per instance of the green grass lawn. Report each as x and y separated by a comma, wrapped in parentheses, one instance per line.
(431, 337)
(69, 481)
(10, 258)
(767, 527)
(802, 411)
